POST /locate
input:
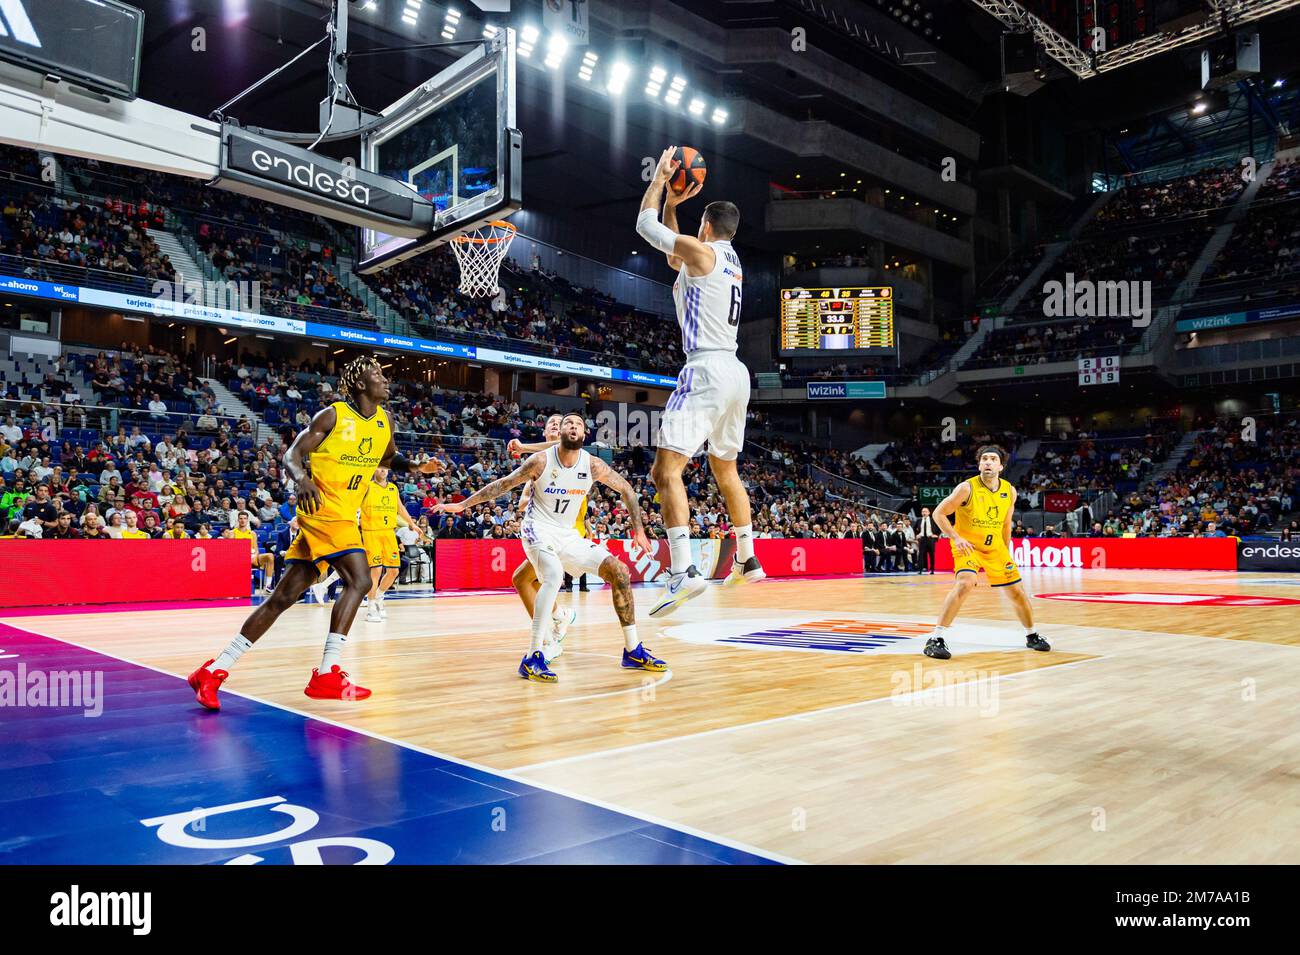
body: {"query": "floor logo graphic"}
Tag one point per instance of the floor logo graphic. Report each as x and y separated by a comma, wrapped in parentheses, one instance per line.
(846, 636)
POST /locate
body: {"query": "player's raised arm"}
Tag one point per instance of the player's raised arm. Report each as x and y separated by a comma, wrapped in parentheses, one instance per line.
(671, 201)
(602, 472)
(515, 447)
(697, 256)
(949, 505)
(296, 457)
(530, 470)
(395, 460)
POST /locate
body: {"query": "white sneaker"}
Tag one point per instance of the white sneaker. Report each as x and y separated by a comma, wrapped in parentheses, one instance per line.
(373, 615)
(320, 592)
(746, 573)
(551, 651)
(383, 611)
(560, 625)
(679, 589)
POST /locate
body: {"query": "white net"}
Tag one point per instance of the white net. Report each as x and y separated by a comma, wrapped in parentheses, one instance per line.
(480, 253)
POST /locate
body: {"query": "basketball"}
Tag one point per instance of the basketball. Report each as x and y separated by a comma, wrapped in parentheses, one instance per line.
(692, 169)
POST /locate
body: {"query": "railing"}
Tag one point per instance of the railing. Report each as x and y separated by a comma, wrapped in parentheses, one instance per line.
(60, 415)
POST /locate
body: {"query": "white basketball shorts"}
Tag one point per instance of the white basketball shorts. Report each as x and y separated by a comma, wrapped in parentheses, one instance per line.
(708, 405)
(576, 554)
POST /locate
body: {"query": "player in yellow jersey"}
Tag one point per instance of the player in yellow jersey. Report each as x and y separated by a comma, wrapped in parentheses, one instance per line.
(525, 578)
(983, 508)
(381, 514)
(331, 461)
(243, 531)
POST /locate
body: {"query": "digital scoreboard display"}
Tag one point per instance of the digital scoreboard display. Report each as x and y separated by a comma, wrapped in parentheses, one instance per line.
(841, 320)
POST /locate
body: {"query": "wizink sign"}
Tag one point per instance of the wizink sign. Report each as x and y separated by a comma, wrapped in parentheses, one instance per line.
(278, 172)
(831, 390)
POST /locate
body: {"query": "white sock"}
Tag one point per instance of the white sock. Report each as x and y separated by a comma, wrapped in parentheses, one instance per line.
(557, 614)
(551, 574)
(332, 576)
(744, 542)
(939, 631)
(1030, 631)
(630, 638)
(679, 546)
(230, 656)
(333, 651)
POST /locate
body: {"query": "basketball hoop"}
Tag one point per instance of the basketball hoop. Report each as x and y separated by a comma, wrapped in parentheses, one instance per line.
(480, 253)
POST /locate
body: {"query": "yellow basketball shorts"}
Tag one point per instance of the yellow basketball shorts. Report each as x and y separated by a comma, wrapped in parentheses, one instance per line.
(381, 547)
(997, 565)
(320, 541)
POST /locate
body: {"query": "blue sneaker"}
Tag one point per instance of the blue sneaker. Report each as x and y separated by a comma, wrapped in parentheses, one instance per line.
(640, 659)
(533, 667)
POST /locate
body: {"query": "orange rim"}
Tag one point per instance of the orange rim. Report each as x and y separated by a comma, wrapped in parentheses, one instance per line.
(487, 240)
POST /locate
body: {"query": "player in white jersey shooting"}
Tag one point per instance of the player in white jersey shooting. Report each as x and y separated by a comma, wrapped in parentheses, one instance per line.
(712, 392)
(525, 578)
(561, 479)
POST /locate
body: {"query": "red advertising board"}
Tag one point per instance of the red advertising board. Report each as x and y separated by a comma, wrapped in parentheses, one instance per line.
(489, 564)
(39, 573)
(1155, 553)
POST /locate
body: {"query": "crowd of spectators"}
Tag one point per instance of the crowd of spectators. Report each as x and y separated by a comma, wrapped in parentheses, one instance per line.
(1200, 192)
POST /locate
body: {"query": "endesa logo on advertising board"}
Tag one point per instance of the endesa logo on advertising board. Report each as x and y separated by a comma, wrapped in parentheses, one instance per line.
(1268, 555)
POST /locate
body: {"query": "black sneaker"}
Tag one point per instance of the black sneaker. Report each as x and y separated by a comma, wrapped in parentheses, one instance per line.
(1035, 642)
(936, 648)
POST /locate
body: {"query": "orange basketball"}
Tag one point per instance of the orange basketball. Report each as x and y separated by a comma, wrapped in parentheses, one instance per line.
(692, 169)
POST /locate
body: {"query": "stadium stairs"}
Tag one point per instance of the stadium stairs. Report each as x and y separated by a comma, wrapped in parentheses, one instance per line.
(232, 407)
(181, 260)
(1177, 457)
(940, 384)
(1186, 291)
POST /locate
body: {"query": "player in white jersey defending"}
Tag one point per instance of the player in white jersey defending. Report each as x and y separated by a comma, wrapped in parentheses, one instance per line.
(712, 392)
(561, 479)
(525, 578)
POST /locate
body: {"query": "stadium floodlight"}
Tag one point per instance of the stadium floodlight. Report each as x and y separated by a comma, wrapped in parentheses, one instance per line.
(556, 47)
(656, 82)
(490, 31)
(618, 75)
(588, 66)
(697, 107)
(673, 97)
(719, 116)
(527, 40)
(450, 23)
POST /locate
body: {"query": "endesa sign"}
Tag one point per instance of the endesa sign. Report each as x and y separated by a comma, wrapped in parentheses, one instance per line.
(489, 564)
(1268, 555)
(1131, 553)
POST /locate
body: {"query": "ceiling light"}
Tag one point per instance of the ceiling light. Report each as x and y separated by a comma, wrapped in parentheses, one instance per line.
(719, 116)
(697, 107)
(618, 74)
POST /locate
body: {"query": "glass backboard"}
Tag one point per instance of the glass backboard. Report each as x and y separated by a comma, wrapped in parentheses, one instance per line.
(453, 140)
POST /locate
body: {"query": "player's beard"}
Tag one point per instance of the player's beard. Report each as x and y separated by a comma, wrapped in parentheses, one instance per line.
(570, 444)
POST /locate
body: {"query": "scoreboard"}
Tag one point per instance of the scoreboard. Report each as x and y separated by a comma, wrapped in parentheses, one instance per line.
(837, 320)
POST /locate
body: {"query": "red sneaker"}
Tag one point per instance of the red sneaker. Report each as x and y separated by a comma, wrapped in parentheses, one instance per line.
(334, 685)
(205, 683)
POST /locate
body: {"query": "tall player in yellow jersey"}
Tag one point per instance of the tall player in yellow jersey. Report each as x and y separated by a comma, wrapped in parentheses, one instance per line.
(381, 514)
(330, 462)
(983, 508)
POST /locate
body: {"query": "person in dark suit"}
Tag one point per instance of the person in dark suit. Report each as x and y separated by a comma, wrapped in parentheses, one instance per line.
(889, 549)
(871, 549)
(927, 535)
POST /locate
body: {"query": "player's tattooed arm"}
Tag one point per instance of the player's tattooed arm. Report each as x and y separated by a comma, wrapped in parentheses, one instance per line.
(298, 454)
(530, 470)
(602, 472)
(948, 506)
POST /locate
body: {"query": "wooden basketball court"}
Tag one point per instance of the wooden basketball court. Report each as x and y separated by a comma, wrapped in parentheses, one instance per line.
(799, 718)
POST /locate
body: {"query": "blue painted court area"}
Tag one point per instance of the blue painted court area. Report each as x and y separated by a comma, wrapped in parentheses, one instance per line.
(154, 779)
